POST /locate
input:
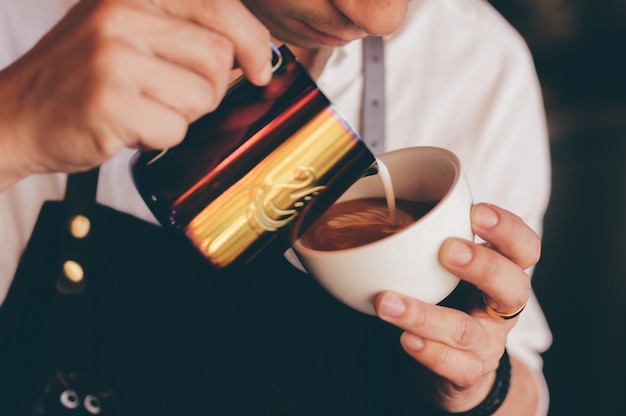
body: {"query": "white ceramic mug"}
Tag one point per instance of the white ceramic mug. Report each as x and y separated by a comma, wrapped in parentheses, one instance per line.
(406, 261)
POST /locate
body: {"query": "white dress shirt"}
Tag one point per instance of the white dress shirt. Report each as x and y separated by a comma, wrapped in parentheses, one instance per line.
(458, 76)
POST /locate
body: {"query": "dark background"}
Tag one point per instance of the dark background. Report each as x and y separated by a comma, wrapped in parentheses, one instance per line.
(579, 47)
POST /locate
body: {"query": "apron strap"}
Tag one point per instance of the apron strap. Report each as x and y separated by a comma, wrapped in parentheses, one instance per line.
(373, 109)
(80, 197)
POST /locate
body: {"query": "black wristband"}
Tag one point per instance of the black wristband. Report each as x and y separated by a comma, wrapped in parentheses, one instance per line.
(496, 395)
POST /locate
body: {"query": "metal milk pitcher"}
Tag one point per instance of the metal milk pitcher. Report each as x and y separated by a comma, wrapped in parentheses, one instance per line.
(257, 171)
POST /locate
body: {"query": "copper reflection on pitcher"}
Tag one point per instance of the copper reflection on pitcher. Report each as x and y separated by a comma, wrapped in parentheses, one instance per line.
(272, 194)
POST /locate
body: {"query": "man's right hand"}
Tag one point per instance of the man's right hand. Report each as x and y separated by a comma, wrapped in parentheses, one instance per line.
(122, 73)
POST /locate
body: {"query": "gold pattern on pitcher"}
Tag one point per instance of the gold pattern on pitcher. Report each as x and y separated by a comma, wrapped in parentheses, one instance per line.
(224, 229)
(265, 215)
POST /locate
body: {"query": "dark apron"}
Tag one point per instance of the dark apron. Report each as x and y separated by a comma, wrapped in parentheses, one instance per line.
(154, 331)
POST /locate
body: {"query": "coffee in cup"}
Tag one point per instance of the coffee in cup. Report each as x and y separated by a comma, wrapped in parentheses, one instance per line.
(357, 222)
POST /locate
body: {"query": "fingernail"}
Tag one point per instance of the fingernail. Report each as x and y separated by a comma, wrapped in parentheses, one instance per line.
(484, 216)
(412, 342)
(266, 73)
(459, 253)
(392, 305)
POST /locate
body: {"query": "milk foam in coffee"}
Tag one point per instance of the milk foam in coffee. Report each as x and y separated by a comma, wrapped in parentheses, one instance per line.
(356, 222)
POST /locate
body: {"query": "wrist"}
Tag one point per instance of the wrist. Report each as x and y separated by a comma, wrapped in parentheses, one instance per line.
(496, 395)
(12, 158)
(12, 166)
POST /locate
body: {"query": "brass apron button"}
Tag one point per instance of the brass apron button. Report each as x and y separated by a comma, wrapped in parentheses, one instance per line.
(80, 226)
(73, 271)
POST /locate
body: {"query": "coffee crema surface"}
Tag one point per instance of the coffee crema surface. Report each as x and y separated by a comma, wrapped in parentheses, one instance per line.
(357, 222)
